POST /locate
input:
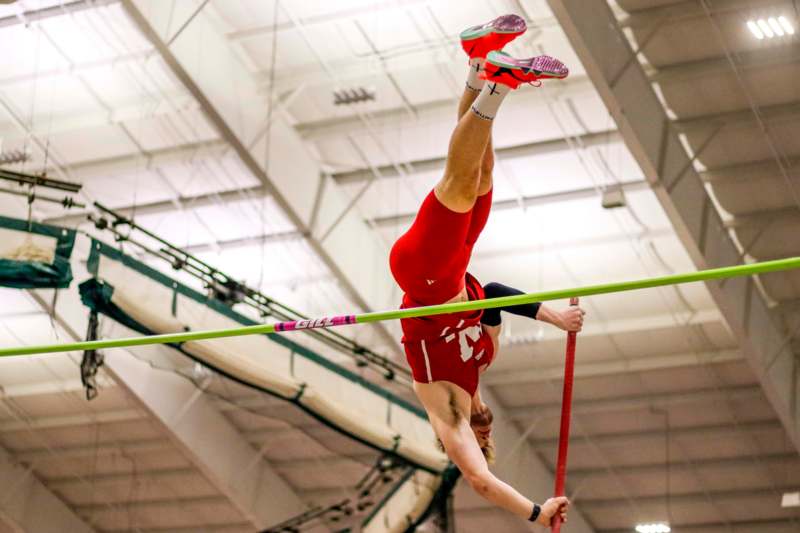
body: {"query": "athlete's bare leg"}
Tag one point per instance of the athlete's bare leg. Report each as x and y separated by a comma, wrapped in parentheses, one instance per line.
(468, 173)
(459, 194)
(459, 188)
(487, 162)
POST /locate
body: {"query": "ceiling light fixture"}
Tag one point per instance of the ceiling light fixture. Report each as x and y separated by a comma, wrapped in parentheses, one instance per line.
(773, 23)
(787, 26)
(770, 27)
(13, 156)
(653, 528)
(353, 96)
(764, 25)
(791, 499)
(755, 29)
(613, 197)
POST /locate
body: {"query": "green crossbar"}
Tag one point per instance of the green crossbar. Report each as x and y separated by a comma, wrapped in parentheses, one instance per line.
(396, 314)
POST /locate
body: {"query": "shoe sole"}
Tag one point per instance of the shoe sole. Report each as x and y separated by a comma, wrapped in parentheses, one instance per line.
(496, 60)
(505, 25)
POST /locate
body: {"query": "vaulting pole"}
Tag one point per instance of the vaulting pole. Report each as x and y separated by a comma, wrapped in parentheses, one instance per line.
(177, 338)
(566, 416)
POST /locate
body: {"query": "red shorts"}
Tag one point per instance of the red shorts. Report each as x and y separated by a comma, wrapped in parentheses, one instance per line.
(429, 263)
(458, 355)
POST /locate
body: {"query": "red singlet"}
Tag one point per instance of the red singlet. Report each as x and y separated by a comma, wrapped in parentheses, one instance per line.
(429, 262)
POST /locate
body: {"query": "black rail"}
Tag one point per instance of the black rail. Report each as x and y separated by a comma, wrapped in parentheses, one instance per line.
(230, 291)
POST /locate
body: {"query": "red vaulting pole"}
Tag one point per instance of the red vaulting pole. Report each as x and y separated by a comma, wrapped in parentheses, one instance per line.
(566, 415)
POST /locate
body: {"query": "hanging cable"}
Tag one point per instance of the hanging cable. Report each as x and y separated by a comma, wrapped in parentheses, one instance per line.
(268, 137)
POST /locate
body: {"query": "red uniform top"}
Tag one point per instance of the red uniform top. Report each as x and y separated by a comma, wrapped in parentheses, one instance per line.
(450, 347)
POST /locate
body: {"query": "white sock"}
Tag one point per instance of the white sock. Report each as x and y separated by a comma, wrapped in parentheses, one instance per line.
(488, 102)
(474, 82)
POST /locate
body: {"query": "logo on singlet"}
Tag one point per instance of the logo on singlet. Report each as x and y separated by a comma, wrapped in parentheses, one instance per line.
(430, 281)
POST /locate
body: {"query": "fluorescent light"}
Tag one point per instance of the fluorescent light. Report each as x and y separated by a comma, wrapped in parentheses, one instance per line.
(791, 499)
(787, 26)
(765, 28)
(755, 29)
(653, 528)
(770, 27)
(773, 23)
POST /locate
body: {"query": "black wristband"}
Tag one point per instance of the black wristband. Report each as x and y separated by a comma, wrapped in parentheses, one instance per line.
(537, 509)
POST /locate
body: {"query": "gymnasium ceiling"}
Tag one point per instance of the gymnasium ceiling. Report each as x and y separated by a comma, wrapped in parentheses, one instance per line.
(84, 91)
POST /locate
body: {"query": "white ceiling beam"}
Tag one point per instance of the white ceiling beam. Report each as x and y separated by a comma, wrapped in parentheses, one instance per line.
(504, 153)
(324, 18)
(243, 242)
(59, 10)
(786, 215)
(136, 115)
(613, 367)
(710, 433)
(526, 201)
(778, 525)
(168, 206)
(27, 505)
(155, 506)
(772, 114)
(74, 420)
(78, 68)
(745, 60)
(621, 326)
(747, 172)
(689, 498)
(222, 454)
(343, 241)
(774, 459)
(688, 9)
(120, 448)
(45, 388)
(560, 245)
(153, 159)
(143, 477)
(628, 94)
(702, 397)
(427, 112)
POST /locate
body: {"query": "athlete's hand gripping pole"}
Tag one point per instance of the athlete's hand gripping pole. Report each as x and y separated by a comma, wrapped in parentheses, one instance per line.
(566, 414)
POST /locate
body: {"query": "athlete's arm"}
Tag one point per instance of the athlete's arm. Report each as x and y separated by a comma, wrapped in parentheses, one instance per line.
(494, 335)
(570, 319)
(449, 419)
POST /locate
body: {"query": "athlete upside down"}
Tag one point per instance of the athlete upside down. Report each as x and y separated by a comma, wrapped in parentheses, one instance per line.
(447, 353)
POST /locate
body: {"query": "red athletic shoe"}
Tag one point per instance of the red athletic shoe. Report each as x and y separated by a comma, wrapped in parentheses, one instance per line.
(478, 41)
(502, 68)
